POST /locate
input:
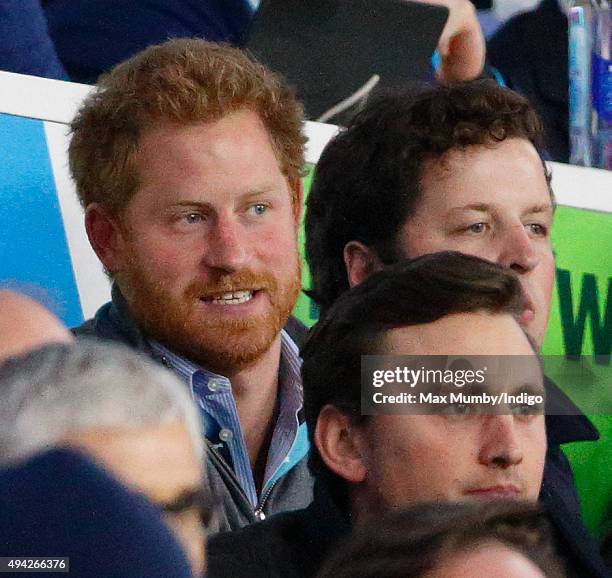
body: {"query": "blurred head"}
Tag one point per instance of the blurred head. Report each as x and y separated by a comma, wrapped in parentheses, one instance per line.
(456, 167)
(445, 304)
(26, 325)
(131, 416)
(451, 541)
(187, 159)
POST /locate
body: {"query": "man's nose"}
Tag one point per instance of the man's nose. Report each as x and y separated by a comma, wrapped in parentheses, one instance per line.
(226, 245)
(500, 445)
(517, 250)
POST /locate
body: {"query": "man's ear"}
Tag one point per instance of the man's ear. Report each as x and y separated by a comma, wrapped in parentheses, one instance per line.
(297, 191)
(338, 442)
(360, 262)
(105, 236)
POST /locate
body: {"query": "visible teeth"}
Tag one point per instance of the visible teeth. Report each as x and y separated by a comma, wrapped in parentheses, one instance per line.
(233, 298)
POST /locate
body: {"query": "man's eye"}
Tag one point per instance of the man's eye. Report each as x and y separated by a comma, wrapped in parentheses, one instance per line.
(259, 208)
(477, 228)
(526, 410)
(457, 409)
(537, 229)
(192, 218)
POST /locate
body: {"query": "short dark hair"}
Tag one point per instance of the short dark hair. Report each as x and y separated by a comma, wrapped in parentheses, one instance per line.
(411, 292)
(367, 181)
(415, 541)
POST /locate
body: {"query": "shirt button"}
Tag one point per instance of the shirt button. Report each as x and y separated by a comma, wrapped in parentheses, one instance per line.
(226, 435)
(214, 385)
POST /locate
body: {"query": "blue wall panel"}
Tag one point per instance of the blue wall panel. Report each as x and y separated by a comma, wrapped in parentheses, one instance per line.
(33, 249)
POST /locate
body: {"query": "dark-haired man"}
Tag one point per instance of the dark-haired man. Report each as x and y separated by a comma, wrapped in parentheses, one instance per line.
(445, 304)
(453, 168)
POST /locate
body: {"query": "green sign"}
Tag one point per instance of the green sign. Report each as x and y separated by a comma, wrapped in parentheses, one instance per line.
(581, 324)
(305, 309)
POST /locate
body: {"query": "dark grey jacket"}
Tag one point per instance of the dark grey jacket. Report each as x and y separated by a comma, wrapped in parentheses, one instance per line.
(290, 545)
(291, 492)
(296, 544)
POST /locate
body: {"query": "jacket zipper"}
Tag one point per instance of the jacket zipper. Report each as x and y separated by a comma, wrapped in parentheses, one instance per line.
(259, 513)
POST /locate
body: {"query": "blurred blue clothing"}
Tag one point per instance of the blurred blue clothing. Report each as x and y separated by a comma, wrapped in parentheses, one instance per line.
(530, 51)
(59, 504)
(93, 36)
(25, 44)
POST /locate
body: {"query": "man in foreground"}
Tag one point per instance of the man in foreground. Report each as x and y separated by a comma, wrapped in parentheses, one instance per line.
(187, 159)
(444, 304)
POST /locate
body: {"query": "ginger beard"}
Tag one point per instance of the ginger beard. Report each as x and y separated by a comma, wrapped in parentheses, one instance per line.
(221, 344)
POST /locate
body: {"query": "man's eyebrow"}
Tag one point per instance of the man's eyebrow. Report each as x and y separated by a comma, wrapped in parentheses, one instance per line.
(190, 203)
(482, 207)
(541, 208)
(530, 387)
(245, 197)
(254, 193)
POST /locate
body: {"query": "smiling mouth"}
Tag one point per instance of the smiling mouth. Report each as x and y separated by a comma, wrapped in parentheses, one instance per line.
(230, 297)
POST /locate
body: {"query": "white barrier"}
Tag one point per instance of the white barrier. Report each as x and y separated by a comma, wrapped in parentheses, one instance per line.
(53, 103)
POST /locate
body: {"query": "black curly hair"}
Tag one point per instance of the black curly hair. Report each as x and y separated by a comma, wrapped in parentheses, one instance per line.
(367, 180)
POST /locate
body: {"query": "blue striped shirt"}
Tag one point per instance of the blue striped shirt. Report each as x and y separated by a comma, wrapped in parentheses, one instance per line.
(213, 394)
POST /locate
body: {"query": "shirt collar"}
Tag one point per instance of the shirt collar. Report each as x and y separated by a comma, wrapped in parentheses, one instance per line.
(290, 384)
